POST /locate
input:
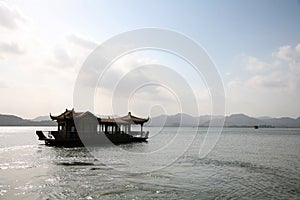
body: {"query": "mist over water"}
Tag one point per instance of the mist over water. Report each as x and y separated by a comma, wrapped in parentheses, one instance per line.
(245, 163)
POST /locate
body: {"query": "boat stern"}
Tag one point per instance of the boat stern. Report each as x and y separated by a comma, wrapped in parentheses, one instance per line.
(41, 135)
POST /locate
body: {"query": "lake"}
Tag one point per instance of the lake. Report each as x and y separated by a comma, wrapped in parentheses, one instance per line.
(244, 164)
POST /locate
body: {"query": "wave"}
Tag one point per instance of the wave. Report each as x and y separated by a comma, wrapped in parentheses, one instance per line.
(17, 148)
(76, 164)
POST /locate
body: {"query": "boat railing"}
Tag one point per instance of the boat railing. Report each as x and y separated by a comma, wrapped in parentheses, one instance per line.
(50, 134)
(143, 134)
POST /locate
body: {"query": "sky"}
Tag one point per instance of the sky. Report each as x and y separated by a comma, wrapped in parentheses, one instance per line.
(254, 44)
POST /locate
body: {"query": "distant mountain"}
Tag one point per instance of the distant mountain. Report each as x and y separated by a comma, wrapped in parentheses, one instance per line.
(235, 120)
(239, 120)
(283, 122)
(264, 117)
(42, 118)
(11, 120)
(242, 120)
(180, 119)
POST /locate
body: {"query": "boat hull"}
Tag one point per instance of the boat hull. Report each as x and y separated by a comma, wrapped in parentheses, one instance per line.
(95, 140)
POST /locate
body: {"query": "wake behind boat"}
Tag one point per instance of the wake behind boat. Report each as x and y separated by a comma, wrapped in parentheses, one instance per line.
(84, 128)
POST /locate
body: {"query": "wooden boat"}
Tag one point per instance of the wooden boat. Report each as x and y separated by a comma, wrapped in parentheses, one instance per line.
(85, 129)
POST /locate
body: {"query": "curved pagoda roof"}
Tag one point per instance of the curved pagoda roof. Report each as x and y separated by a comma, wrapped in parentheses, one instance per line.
(127, 119)
(133, 119)
(68, 114)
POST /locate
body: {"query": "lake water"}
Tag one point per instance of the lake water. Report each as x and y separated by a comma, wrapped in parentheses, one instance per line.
(244, 164)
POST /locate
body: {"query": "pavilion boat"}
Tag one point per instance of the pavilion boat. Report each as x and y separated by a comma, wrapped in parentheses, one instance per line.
(85, 129)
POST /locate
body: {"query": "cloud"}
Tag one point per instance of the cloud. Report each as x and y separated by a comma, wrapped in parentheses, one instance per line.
(61, 54)
(68, 56)
(282, 73)
(139, 76)
(10, 17)
(61, 58)
(11, 48)
(298, 48)
(83, 41)
(256, 65)
(124, 66)
(284, 53)
(3, 84)
(271, 86)
(276, 81)
(290, 57)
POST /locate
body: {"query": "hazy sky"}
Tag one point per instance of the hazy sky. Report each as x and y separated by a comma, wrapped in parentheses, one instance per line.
(254, 44)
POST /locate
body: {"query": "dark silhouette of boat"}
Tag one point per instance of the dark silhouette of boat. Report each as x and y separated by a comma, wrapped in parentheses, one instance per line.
(85, 129)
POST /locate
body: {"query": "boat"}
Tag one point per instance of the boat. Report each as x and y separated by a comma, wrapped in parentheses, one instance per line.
(85, 129)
